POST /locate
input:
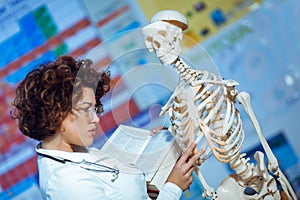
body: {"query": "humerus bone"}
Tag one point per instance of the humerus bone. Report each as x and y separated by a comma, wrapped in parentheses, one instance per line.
(202, 109)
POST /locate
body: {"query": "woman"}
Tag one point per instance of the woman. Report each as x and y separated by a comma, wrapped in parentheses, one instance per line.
(59, 105)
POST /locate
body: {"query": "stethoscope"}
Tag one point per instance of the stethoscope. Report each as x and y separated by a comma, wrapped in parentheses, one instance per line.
(90, 166)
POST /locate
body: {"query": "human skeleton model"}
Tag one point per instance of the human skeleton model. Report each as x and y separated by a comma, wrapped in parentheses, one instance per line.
(202, 109)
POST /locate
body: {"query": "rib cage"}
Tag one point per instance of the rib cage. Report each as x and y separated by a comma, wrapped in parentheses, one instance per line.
(217, 124)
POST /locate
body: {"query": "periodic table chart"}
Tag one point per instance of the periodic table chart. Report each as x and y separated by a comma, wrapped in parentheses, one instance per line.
(33, 32)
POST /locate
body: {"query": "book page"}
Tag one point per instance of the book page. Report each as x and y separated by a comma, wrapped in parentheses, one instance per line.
(160, 176)
(127, 144)
(155, 152)
(136, 146)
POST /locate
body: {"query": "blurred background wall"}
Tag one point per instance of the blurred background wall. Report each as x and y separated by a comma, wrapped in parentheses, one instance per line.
(255, 42)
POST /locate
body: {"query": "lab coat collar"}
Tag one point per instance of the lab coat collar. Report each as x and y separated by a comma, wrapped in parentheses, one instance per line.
(94, 155)
(63, 156)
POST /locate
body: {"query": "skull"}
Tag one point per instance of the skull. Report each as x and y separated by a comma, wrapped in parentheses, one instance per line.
(164, 39)
(164, 34)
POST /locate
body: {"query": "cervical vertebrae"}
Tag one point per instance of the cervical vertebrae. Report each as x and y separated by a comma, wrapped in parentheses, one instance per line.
(202, 109)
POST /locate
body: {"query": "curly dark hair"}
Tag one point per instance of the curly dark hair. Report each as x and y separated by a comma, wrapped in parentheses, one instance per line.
(44, 98)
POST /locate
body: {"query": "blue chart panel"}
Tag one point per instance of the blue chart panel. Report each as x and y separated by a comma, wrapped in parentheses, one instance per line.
(281, 148)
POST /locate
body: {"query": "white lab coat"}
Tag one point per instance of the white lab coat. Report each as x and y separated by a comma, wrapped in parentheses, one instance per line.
(61, 180)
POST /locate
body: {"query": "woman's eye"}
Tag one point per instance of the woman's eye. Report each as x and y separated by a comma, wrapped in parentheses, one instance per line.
(87, 109)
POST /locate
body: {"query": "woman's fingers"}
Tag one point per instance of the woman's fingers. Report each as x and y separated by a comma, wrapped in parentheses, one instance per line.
(185, 156)
(157, 129)
(190, 159)
(181, 174)
(193, 160)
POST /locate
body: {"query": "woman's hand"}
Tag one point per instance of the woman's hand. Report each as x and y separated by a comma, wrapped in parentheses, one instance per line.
(157, 129)
(181, 174)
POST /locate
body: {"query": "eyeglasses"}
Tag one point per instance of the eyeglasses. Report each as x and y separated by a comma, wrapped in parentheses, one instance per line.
(92, 111)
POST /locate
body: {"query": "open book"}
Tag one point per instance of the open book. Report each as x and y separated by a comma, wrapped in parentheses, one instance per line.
(154, 155)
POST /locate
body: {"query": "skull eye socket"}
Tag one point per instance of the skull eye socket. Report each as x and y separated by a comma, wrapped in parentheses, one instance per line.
(163, 33)
(149, 39)
(156, 44)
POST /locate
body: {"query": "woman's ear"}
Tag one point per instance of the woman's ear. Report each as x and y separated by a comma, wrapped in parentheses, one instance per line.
(62, 129)
(70, 118)
(62, 126)
(72, 115)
